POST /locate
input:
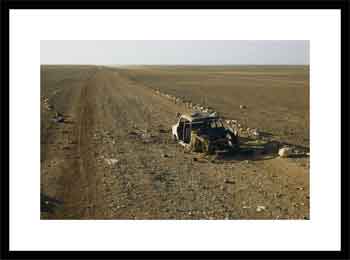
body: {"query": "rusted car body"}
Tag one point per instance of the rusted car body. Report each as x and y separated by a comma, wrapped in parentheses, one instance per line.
(204, 132)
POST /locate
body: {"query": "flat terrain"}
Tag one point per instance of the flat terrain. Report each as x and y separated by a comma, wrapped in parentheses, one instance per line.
(113, 156)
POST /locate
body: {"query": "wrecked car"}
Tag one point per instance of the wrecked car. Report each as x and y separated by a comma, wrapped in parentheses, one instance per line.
(204, 132)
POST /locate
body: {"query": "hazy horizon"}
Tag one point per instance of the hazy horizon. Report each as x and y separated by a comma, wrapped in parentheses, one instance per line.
(169, 53)
(174, 65)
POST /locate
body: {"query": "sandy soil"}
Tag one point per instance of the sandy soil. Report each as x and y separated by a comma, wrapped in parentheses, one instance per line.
(98, 165)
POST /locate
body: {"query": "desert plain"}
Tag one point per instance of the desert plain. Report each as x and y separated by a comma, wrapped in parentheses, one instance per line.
(113, 157)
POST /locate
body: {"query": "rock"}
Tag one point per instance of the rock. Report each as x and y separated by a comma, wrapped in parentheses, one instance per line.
(285, 152)
(58, 114)
(111, 161)
(260, 208)
(58, 119)
(229, 181)
(145, 136)
(242, 106)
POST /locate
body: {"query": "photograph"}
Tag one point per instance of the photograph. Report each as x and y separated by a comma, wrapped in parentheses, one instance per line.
(174, 130)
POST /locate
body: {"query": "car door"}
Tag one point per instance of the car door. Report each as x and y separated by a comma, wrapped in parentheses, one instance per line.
(180, 129)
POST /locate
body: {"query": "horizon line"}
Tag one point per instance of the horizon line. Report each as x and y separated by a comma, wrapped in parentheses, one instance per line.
(88, 64)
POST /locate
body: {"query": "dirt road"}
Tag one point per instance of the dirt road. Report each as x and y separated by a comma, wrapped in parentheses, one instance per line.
(113, 158)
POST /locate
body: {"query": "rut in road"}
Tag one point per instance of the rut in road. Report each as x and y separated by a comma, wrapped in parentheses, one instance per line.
(110, 103)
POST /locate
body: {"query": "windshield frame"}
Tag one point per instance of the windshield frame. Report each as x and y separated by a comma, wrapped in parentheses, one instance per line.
(208, 124)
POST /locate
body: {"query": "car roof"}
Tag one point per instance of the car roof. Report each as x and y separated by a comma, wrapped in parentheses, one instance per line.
(199, 116)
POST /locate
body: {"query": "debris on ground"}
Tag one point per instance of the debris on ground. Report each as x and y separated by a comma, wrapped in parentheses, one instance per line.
(46, 104)
(111, 161)
(145, 137)
(242, 106)
(58, 119)
(141, 177)
(260, 208)
(285, 152)
(133, 133)
(201, 159)
(229, 181)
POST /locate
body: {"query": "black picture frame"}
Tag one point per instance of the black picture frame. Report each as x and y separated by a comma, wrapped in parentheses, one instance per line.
(7, 5)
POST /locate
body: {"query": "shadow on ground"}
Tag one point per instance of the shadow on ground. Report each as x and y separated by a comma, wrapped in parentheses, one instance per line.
(260, 149)
(48, 204)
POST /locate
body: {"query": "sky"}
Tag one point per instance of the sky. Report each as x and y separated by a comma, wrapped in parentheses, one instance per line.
(206, 52)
